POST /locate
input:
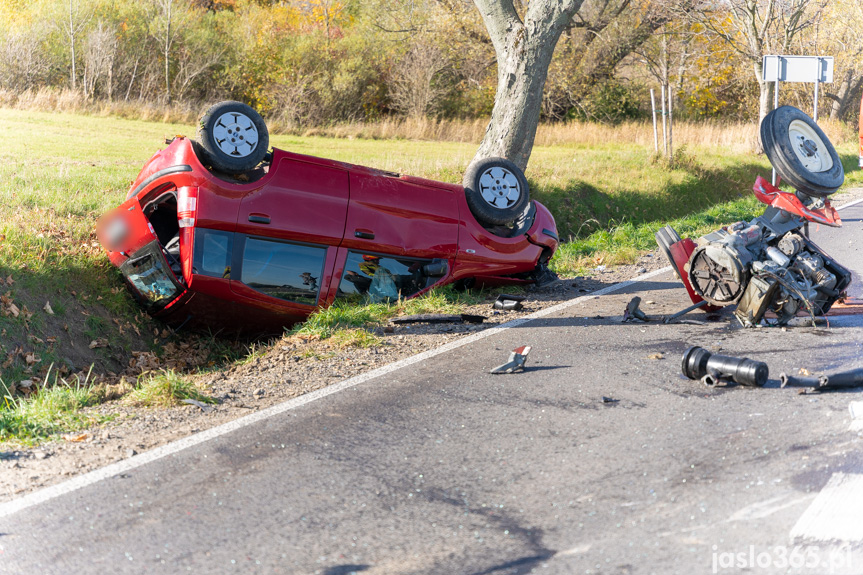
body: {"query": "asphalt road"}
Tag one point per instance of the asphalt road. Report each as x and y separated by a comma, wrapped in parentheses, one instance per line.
(442, 468)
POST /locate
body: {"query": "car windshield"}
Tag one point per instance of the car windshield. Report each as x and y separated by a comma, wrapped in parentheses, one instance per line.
(148, 272)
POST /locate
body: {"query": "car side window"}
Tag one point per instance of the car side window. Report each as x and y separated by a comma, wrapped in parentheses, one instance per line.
(213, 251)
(283, 270)
(382, 278)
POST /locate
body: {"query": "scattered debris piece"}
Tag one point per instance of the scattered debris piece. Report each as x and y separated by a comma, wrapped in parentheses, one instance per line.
(698, 363)
(609, 399)
(76, 437)
(509, 302)
(841, 380)
(517, 358)
(47, 308)
(206, 408)
(439, 318)
(658, 355)
(632, 312)
(685, 311)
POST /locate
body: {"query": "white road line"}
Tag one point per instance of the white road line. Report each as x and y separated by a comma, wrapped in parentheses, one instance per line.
(131, 463)
(836, 513)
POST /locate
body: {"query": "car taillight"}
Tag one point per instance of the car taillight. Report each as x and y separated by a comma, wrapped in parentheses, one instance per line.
(187, 207)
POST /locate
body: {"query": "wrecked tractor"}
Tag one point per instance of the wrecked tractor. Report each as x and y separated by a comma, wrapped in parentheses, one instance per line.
(768, 266)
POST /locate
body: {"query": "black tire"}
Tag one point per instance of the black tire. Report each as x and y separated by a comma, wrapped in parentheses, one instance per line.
(665, 238)
(496, 191)
(800, 152)
(233, 137)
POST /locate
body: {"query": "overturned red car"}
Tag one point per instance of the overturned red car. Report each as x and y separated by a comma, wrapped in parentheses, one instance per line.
(223, 234)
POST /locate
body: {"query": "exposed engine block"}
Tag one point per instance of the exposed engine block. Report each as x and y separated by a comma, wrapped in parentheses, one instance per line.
(763, 266)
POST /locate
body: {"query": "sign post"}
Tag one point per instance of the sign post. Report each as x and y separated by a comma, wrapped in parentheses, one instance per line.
(815, 69)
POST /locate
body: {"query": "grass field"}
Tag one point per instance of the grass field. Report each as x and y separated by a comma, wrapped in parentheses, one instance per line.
(63, 307)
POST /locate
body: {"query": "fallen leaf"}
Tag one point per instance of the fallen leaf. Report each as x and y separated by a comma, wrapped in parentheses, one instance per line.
(13, 309)
(659, 355)
(32, 358)
(100, 342)
(35, 339)
(9, 280)
(48, 309)
(804, 371)
(76, 437)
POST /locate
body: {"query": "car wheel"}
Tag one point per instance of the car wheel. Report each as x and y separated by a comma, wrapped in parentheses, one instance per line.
(496, 191)
(800, 152)
(233, 137)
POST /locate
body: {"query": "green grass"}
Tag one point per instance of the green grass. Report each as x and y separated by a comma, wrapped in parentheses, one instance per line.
(344, 315)
(165, 388)
(48, 412)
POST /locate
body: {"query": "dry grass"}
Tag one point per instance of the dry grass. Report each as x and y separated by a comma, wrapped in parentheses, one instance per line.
(735, 136)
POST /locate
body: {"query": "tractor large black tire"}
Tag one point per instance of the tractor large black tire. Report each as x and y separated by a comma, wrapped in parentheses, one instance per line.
(789, 138)
(233, 137)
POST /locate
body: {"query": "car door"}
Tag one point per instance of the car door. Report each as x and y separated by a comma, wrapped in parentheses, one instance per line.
(288, 233)
(395, 215)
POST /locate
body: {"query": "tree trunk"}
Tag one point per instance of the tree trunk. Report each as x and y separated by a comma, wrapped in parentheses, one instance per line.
(524, 51)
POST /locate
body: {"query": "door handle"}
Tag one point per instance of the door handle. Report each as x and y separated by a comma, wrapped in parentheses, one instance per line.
(365, 235)
(259, 219)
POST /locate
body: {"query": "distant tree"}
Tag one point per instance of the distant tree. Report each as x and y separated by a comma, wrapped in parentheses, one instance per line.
(842, 27)
(414, 84)
(755, 28)
(167, 18)
(74, 21)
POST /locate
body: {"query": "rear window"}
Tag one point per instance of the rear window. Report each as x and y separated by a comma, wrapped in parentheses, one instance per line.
(213, 250)
(149, 274)
(282, 270)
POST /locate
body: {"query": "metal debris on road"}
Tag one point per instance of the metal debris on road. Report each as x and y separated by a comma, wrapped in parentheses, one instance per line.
(710, 368)
(841, 380)
(632, 312)
(204, 407)
(509, 302)
(439, 318)
(517, 358)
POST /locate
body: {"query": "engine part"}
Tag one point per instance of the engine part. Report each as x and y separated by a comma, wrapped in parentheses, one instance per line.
(790, 244)
(698, 362)
(717, 273)
(843, 379)
(853, 378)
(795, 381)
(756, 301)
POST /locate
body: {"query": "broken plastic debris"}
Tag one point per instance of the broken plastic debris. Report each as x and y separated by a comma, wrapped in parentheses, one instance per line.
(509, 302)
(516, 360)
